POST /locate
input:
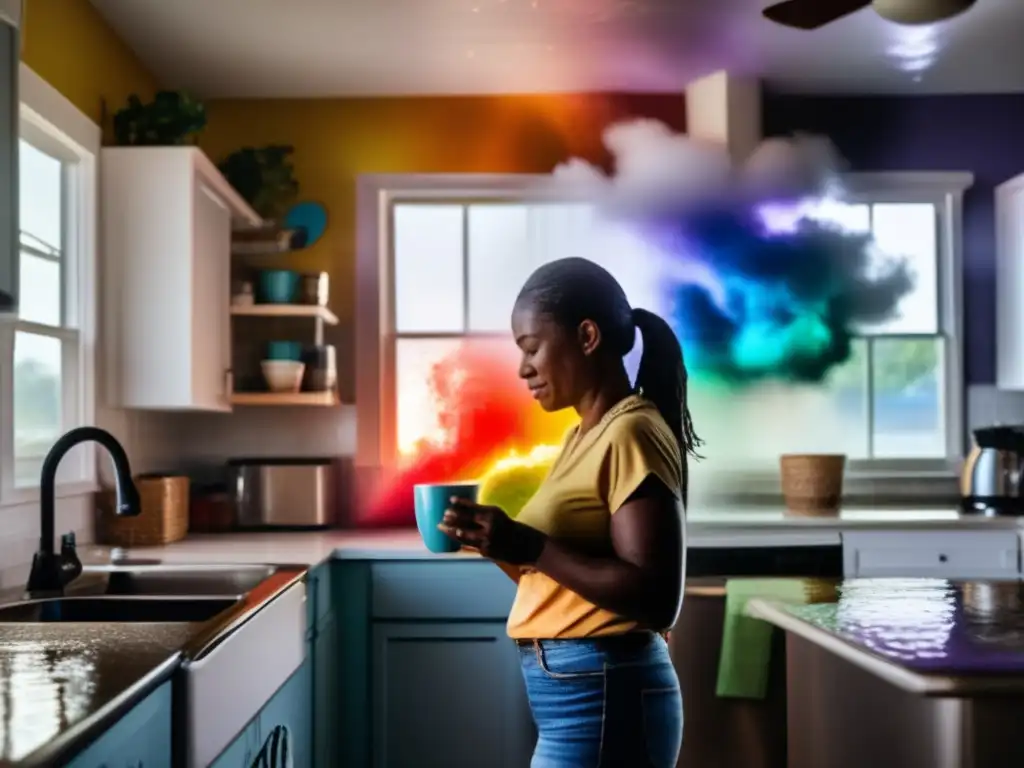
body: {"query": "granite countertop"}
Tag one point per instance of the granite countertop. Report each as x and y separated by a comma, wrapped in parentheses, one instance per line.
(55, 679)
(928, 636)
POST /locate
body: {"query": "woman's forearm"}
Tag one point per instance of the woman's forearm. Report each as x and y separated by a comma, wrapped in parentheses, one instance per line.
(610, 583)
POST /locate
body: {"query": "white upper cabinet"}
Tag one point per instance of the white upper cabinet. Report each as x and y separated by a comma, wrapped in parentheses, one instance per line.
(167, 215)
(1010, 284)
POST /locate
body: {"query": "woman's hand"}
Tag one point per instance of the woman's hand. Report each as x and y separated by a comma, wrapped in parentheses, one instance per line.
(492, 532)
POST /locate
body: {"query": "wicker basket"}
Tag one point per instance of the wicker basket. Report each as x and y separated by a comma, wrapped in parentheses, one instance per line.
(812, 483)
(164, 502)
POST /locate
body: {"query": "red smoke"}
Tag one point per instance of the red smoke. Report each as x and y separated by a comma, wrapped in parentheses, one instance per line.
(484, 411)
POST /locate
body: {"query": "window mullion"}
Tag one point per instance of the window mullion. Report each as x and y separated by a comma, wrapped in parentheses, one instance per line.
(66, 335)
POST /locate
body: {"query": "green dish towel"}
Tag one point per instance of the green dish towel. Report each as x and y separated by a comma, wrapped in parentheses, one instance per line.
(746, 641)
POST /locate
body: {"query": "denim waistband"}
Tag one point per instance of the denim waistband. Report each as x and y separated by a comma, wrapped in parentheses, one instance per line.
(628, 641)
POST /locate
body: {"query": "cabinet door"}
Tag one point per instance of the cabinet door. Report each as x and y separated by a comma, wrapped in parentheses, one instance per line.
(285, 723)
(242, 751)
(427, 675)
(141, 739)
(326, 685)
(211, 300)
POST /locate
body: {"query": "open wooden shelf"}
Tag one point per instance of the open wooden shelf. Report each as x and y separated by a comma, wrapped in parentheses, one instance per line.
(286, 310)
(320, 399)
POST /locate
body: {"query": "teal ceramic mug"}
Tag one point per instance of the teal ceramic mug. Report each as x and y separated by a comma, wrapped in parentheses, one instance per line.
(431, 500)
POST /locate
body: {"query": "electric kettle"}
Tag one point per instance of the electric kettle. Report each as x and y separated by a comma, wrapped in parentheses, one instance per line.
(992, 480)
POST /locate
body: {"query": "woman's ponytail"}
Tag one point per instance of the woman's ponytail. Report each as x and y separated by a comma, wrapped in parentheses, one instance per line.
(662, 378)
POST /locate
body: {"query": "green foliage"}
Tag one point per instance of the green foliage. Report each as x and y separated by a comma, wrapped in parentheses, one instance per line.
(896, 364)
(264, 176)
(173, 118)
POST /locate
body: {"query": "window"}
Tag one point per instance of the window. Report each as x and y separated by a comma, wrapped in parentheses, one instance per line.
(455, 263)
(49, 388)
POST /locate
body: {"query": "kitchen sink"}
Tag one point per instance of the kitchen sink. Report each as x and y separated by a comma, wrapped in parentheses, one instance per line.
(181, 580)
(115, 609)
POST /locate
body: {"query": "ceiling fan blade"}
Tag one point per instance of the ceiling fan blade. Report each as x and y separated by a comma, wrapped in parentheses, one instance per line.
(812, 14)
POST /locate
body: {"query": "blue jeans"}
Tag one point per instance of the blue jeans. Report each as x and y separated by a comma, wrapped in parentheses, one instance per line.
(598, 703)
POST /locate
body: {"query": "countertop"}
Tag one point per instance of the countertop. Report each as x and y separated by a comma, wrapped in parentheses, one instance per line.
(72, 674)
(62, 683)
(928, 636)
(764, 527)
(55, 679)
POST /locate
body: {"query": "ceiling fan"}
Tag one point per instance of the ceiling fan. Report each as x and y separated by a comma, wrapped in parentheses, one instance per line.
(811, 14)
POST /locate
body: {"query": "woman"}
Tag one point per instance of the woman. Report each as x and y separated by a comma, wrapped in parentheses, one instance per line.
(598, 552)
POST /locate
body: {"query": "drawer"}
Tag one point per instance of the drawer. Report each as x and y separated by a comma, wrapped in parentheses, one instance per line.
(939, 554)
(441, 590)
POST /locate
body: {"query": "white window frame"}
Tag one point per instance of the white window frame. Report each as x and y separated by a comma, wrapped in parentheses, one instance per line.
(376, 433)
(51, 122)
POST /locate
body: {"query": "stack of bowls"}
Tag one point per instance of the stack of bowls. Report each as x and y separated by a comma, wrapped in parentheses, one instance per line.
(283, 368)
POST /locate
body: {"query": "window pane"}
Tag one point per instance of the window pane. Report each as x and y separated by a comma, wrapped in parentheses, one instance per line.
(38, 416)
(909, 413)
(417, 408)
(499, 263)
(747, 429)
(909, 230)
(429, 273)
(41, 195)
(40, 290)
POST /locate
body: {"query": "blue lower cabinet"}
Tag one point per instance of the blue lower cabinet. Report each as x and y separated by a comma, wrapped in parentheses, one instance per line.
(242, 751)
(448, 694)
(326, 685)
(281, 735)
(141, 739)
(286, 724)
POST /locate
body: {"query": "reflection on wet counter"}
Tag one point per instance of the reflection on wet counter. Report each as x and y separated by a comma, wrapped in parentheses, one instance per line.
(929, 625)
(54, 677)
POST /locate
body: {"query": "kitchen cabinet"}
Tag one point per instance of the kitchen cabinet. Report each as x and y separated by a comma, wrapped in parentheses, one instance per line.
(428, 677)
(141, 739)
(9, 110)
(932, 554)
(324, 660)
(285, 719)
(421, 642)
(167, 215)
(243, 750)
(1009, 282)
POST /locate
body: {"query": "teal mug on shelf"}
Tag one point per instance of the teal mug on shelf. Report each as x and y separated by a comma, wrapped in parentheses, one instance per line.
(284, 350)
(278, 286)
(430, 501)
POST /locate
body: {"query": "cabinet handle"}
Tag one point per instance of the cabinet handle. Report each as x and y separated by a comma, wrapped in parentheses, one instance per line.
(943, 558)
(229, 383)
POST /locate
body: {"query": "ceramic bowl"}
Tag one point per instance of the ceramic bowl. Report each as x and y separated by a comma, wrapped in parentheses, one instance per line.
(283, 375)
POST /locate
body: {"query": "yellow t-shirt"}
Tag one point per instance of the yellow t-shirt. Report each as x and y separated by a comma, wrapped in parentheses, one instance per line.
(593, 476)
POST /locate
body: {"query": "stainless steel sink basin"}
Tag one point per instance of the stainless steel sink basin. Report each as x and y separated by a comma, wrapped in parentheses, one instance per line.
(115, 609)
(181, 580)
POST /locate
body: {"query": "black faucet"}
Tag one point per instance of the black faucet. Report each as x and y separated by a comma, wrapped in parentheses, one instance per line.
(52, 572)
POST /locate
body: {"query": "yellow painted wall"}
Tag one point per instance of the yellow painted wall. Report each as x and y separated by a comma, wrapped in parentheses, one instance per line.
(68, 44)
(336, 140)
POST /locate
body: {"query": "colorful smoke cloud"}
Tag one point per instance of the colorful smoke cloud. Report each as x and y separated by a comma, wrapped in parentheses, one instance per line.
(750, 299)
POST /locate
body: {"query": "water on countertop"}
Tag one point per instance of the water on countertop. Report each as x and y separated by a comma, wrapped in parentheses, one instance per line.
(52, 677)
(929, 625)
